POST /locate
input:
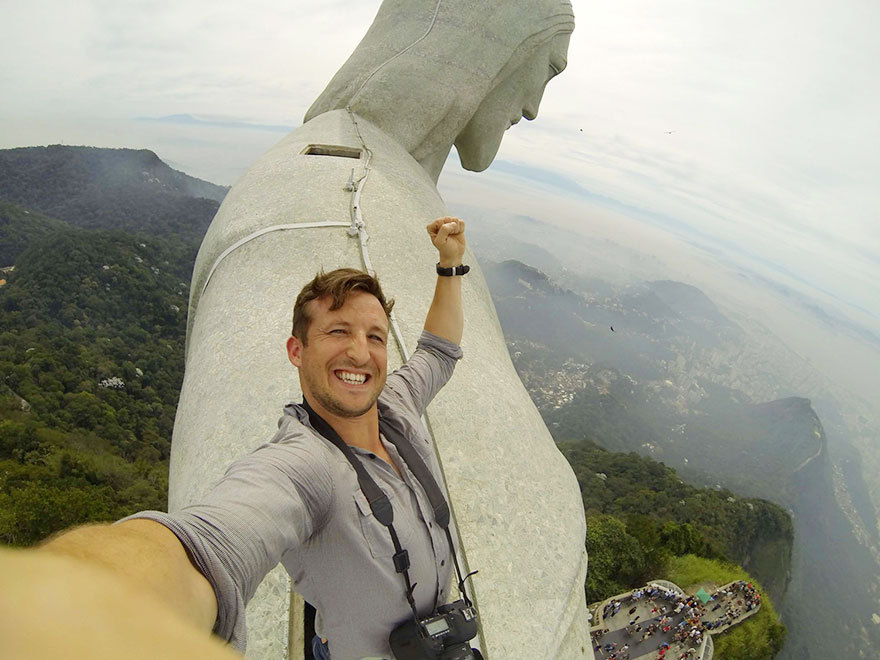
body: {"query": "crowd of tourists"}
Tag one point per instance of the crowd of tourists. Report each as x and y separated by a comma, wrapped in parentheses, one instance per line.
(687, 618)
(735, 600)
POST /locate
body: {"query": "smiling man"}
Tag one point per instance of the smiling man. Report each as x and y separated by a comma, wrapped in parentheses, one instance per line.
(297, 500)
(339, 345)
(154, 584)
(340, 330)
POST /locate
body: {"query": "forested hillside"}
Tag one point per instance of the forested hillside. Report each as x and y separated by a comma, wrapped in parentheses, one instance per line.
(640, 514)
(92, 326)
(91, 357)
(19, 227)
(95, 188)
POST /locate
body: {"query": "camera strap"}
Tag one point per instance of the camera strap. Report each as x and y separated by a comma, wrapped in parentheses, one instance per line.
(380, 505)
(393, 430)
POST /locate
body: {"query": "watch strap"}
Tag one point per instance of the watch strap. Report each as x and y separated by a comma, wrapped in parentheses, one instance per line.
(461, 269)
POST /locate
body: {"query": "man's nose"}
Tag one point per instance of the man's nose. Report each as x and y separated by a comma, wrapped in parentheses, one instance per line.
(358, 349)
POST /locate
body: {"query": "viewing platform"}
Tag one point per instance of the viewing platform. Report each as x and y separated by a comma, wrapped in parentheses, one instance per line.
(662, 621)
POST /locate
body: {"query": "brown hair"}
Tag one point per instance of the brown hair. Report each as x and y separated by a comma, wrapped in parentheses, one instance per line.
(338, 284)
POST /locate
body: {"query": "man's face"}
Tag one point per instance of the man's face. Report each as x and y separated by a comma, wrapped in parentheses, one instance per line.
(343, 365)
(515, 97)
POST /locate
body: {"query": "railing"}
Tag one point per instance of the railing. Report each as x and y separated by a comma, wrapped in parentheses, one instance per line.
(666, 584)
(707, 649)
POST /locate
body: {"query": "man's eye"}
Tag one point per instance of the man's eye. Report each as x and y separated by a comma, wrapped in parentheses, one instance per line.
(378, 338)
(337, 331)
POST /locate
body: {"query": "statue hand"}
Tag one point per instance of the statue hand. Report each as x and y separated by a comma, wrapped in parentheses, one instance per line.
(447, 235)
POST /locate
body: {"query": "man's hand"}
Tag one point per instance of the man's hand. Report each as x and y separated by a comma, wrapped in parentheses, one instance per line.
(58, 606)
(445, 317)
(447, 235)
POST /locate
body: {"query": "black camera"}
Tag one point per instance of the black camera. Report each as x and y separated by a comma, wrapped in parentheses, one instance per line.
(440, 636)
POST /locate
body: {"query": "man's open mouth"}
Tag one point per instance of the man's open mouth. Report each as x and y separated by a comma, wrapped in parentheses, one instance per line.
(351, 378)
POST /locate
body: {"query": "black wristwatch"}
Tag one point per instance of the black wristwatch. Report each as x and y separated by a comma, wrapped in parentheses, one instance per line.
(455, 270)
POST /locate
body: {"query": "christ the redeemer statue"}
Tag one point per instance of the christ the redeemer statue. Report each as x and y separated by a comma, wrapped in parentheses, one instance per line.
(355, 186)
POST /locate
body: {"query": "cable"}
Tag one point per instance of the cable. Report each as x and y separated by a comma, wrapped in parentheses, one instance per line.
(395, 56)
(257, 234)
(359, 227)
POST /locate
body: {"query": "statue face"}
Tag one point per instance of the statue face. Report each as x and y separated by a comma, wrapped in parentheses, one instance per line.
(517, 96)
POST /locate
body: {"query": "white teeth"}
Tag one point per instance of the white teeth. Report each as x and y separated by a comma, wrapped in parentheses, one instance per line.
(355, 379)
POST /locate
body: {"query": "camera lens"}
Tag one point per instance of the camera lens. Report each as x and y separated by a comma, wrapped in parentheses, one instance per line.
(459, 652)
(449, 607)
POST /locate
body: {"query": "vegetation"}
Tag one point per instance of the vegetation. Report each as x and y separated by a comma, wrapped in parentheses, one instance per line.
(92, 327)
(18, 227)
(760, 637)
(644, 523)
(109, 189)
(639, 514)
(91, 361)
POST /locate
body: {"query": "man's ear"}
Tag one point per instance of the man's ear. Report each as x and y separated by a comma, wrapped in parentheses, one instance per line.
(294, 351)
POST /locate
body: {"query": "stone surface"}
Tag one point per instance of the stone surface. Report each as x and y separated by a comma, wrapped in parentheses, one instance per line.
(430, 74)
(515, 499)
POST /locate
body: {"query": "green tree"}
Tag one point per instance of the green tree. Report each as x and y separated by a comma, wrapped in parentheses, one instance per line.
(645, 530)
(616, 558)
(34, 511)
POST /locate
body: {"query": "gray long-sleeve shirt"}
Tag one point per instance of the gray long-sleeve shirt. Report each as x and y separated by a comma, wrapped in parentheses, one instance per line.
(296, 500)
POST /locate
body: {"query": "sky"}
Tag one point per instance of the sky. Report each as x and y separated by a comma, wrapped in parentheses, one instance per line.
(744, 135)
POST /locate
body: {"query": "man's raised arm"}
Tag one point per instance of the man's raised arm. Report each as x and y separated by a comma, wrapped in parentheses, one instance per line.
(445, 316)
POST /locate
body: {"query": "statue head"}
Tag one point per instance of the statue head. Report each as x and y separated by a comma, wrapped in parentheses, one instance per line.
(433, 73)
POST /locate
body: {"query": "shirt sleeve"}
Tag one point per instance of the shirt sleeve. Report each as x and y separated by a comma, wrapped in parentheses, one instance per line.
(428, 369)
(266, 504)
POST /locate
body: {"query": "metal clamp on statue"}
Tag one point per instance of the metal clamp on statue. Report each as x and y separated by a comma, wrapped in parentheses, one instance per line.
(444, 634)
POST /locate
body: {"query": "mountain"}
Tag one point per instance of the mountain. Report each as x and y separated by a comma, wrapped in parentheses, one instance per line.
(19, 227)
(716, 524)
(676, 380)
(189, 120)
(91, 362)
(96, 188)
(688, 302)
(92, 326)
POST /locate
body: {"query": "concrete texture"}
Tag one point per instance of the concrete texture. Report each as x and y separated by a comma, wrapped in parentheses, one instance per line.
(430, 74)
(515, 499)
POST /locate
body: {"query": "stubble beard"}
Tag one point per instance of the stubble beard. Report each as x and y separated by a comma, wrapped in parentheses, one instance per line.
(331, 405)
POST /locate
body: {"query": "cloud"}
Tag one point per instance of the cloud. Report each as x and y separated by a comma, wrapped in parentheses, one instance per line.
(189, 120)
(748, 125)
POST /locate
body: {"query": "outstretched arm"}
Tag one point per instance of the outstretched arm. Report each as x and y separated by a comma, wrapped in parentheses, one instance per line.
(445, 316)
(126, 590)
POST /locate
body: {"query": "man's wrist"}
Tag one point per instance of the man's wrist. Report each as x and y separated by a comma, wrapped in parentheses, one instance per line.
(452, 270)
